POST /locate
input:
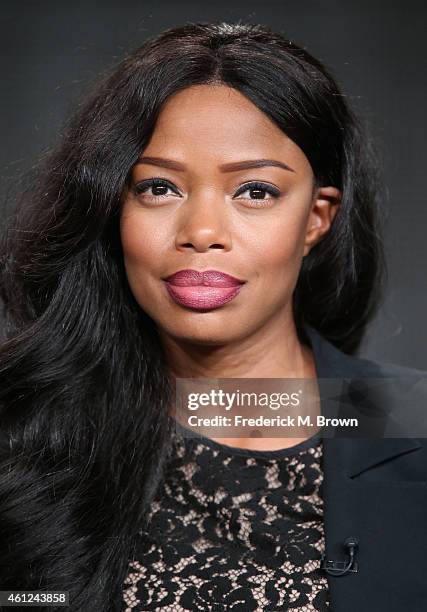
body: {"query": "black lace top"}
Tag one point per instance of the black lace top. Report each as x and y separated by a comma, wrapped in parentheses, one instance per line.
(233, 529)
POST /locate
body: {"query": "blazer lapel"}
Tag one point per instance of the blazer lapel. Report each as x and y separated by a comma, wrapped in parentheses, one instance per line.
(370, 492)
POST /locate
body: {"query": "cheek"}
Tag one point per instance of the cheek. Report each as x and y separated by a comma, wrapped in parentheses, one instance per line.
(141, 243)
(278, 248)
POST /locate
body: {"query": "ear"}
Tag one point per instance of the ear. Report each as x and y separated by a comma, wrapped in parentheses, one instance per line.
(325, 205)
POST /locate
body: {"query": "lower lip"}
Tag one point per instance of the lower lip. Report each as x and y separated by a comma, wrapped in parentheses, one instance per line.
(202, 297)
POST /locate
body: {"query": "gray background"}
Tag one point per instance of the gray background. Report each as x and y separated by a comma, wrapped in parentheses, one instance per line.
(50, 52)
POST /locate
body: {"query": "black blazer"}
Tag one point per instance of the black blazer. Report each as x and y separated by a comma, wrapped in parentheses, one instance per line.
(374, 489)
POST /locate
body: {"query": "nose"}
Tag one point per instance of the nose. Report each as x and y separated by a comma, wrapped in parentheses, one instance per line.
(203, 225)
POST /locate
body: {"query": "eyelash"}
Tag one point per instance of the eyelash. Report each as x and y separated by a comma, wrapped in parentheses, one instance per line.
(140, 188)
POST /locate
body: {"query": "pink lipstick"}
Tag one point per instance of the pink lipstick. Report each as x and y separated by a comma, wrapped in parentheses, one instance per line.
(202, 290)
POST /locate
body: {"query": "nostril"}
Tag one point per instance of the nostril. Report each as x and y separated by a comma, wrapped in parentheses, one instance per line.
(190, 245)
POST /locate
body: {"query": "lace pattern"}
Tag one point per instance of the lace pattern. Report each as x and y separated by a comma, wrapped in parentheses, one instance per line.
(233, 530)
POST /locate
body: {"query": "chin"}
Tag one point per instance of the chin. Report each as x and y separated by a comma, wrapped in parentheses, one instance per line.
(204, 334)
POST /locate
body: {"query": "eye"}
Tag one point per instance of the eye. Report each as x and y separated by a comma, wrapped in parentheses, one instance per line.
(258, 191)
(159, 190)
(158, 186)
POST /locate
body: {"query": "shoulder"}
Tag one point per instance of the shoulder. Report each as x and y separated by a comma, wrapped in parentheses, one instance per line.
(385, 368)
(375, 387)
(333, 362)
(400, 391)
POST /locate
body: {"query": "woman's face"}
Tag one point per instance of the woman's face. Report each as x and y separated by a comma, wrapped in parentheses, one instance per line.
(204, 212)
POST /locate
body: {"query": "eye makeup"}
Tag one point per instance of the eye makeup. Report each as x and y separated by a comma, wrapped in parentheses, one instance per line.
(155, 183)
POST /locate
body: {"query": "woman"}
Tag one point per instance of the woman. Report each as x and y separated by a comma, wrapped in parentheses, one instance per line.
(213, 151)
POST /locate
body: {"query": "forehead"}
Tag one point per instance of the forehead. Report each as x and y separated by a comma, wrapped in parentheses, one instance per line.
(220, 119)
(212, 102)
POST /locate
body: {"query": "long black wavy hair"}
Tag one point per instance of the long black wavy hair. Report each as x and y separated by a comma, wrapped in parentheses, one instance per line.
(84, 393)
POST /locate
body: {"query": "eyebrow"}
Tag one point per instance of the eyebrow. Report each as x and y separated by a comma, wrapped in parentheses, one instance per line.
(230, 167)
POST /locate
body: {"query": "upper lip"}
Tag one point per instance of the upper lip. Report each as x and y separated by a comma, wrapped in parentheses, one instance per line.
(209, 278)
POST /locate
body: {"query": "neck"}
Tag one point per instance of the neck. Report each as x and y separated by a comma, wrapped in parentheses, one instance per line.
(274, 351)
